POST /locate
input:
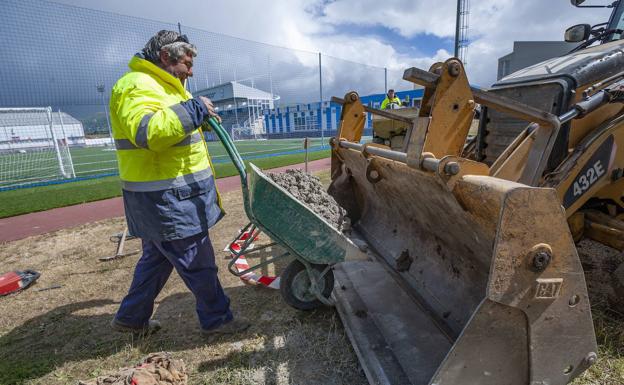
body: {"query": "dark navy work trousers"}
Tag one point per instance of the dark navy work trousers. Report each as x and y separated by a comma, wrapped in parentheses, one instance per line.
(194, 259)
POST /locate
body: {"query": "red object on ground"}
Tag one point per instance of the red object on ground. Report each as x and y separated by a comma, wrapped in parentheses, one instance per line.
(23, 226)
(9, 283)
(16, 280)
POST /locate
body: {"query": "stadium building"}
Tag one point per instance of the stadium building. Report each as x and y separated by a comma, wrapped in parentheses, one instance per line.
(313, 120)
(240, 107)
(249, 113)
(22, 129)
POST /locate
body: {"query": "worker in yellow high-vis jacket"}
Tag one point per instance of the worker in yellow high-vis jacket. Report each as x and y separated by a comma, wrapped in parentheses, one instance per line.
(391, 101)
(169, 191)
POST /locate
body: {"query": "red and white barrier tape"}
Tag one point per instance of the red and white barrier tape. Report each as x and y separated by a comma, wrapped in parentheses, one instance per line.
(253, 278)
(241, 264)
(236, 245)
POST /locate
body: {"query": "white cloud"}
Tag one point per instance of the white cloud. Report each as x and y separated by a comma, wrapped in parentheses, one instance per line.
(494, 24)
(312, 25)
(408, 18)
(496, 27)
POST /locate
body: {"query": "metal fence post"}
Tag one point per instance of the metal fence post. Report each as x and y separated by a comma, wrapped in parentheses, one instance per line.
(187, 82)
(321, 101)
(306, 145)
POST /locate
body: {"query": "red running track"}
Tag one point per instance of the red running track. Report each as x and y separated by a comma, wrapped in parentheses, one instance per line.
(26, 225)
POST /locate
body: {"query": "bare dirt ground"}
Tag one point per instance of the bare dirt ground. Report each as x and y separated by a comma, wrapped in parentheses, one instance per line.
(60, 336)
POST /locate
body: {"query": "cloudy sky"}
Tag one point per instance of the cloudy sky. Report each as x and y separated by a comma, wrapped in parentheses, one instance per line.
(61, 53)
(394, 34)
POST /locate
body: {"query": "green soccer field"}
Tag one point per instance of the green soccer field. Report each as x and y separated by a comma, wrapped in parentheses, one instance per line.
(98, 160)
(38, 166)
(35, 166)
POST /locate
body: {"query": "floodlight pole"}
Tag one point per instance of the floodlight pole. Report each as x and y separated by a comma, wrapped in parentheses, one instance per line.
(270, 78)
(101, 89)
(386, 80)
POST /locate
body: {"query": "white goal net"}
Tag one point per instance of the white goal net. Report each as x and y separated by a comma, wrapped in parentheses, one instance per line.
(249, 131)
(33, 147)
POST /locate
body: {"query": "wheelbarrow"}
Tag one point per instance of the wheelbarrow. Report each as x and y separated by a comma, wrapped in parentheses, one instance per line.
(315, 246)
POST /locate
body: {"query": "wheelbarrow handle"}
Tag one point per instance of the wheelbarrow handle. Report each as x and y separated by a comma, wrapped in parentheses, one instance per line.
(230, 148)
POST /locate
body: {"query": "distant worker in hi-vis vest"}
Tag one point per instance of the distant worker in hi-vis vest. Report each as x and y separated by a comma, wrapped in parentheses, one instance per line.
(169, 191)
(391, 101)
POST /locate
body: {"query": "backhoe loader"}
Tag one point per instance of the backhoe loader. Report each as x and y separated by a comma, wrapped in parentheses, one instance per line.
(472, 275)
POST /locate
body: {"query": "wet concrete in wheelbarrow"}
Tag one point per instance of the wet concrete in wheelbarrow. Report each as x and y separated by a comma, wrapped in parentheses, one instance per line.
(309, 190)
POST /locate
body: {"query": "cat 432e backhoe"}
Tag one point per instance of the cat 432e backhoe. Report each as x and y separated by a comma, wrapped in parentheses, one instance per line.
(473, 276)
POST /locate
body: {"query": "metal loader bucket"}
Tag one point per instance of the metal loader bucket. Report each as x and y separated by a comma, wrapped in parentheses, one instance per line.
(475, 279)
(474, 282)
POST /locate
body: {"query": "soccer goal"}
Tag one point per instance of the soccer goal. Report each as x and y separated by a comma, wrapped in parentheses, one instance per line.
(248, 131)
(33, 147)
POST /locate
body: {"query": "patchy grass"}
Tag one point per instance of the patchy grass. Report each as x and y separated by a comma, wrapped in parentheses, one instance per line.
(599, 262)
(22, 201)
(609, 369)
(63, 335)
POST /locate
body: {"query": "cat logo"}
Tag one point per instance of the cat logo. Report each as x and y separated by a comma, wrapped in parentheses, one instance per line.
(548, 288)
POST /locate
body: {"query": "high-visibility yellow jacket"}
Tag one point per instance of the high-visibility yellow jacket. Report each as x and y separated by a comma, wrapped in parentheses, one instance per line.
(387, 101)
(169, 190)
(158, 146)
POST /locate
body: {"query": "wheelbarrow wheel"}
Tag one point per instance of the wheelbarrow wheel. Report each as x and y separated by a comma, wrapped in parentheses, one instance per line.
(296, 289)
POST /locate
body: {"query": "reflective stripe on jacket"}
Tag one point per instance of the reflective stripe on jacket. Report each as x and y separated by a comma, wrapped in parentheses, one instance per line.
(158, 146)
